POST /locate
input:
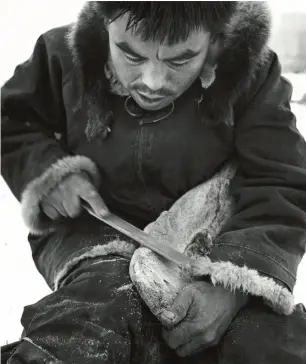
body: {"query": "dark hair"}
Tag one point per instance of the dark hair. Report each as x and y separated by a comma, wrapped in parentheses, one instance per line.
(170, 22)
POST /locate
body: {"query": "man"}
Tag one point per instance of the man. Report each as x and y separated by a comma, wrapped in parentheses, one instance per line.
(127, 110)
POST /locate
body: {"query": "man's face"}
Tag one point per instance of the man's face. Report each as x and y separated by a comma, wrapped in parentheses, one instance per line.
(153, 73)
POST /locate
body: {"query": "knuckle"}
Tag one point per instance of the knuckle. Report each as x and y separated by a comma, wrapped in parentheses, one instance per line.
(181, 336)
(89, 191)
(53, 204)
(49, 199)
(75, 211)
(47, 205)
(181, 352)
(210, 337)
(50, 213)
(171, 344)
(92, 192)
(59, 193)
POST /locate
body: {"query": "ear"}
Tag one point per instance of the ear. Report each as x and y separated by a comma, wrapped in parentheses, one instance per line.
(207, 75)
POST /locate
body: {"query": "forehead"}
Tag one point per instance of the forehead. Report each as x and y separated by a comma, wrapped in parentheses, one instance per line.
(118, 33)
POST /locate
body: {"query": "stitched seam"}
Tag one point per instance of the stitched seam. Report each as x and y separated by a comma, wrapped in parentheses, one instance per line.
(11, 352)
(139, 163)
(259, 253)
(38, 347)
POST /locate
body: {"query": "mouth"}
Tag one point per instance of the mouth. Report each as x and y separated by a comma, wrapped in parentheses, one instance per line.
(149, 98)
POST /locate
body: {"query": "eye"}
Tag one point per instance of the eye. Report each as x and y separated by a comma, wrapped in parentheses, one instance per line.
(133, 60)
(178, 64)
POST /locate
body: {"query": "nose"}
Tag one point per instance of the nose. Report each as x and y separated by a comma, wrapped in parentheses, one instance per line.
(154, 77)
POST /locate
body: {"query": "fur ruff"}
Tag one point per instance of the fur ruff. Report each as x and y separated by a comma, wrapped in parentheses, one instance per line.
(225, 75)
(247, 280)
(40, 187)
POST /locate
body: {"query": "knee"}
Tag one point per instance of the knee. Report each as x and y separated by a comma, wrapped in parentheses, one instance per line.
(113, 271)
(258, 334)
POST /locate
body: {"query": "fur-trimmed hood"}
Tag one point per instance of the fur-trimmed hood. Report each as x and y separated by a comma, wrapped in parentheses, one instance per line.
(242, 50)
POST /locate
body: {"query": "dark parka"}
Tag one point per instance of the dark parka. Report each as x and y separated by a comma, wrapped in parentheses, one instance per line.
(56, 110)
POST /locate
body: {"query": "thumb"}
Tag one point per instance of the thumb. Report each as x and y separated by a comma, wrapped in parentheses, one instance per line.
(178, 310)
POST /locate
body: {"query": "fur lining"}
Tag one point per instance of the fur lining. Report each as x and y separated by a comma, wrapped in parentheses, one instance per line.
(40, 187)
(118, 247)
(232, 62)
(248, 280)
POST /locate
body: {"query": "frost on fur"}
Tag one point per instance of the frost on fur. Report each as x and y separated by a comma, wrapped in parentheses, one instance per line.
(247, 280)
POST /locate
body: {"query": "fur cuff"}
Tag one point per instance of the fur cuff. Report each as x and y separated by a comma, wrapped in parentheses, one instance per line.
(40, 187)
(117, 247)
(248, 280)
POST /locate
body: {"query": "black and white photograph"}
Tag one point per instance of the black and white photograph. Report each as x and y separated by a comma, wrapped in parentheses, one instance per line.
(153, 182)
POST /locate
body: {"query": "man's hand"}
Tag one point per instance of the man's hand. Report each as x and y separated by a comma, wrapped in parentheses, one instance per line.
(201, 315)
(66, 199)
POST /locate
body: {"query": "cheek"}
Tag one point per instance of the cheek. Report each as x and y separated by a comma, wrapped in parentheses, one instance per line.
(184, 78)
(125, 73)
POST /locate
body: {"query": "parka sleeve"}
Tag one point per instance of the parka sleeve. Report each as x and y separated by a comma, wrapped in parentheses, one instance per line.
(34, 160)
(261, 245)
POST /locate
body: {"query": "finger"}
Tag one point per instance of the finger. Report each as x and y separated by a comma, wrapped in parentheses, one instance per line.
(56, 199)
(72, 205)
(195, 346)
(182, 334)
(88, 193)
(50, 211)
(179, 308)
(178, 337)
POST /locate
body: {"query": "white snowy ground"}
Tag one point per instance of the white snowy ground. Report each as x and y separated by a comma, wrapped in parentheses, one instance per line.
(21, 284)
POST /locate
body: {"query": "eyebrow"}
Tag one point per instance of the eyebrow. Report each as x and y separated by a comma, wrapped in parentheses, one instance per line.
(185, 55)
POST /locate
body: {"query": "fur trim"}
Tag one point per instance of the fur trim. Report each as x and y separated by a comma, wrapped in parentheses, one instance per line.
(241, 50)
(248, 280)
(117, 247)
(88, 42)
(40, 187)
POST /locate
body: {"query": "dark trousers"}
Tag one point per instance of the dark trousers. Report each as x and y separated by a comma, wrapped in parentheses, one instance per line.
(97, 316)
